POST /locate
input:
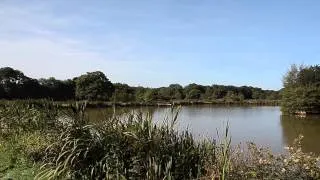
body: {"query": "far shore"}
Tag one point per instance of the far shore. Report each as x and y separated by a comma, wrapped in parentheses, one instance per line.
(105, 104)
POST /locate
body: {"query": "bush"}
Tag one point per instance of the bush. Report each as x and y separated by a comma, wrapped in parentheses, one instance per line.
(134, 148)
(260, 163)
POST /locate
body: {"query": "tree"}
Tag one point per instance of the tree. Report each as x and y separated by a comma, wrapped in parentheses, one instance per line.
(173, 92)
(301, 90)
(11, 75)
(16, 85)
(176, 91)
(246, 92)
(194, 91)
(291, 77)
(240, 97)
(272, 95)
(165, 93)
(139, 93)
(194, 94)
(57, 89)
(150, 95)
(68, 87)
(123, 93)
(218, 92)
(230, 97)
(94, 86)
(209, 93)
(309, 76)
(10, 80)
(30, 89)
(258, 93)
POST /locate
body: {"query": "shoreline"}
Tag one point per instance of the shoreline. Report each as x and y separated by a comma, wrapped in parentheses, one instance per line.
(106, 104)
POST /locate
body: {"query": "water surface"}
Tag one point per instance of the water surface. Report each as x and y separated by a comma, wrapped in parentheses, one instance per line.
(263, 125)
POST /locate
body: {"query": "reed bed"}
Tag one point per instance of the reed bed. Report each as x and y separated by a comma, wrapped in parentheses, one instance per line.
(51, 143)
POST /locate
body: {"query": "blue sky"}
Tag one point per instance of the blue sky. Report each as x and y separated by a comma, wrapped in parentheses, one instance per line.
(156, 43)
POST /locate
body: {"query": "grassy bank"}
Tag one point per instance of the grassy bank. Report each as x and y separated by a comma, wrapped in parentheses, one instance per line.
(52, 143)
(41, 102)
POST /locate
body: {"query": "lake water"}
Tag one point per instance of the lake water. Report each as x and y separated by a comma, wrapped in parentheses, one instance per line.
(263, 125)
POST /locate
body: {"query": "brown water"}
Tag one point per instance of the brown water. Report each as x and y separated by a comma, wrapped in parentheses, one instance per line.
(263, 125)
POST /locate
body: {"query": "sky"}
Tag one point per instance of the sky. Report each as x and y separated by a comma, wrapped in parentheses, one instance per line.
(155, 43)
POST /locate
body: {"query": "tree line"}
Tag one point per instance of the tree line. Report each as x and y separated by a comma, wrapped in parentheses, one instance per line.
(301, 92)
(14, 84)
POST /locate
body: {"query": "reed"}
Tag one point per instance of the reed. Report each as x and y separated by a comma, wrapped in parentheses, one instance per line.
(54, 143)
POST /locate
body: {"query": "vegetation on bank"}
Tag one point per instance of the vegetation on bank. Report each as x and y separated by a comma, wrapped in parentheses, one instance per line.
(103, 104)
(301, 93)
(48, 142)
(95, 86)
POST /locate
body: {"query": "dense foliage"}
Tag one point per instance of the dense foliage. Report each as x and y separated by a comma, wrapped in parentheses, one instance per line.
(49, 143)
(96, 86)
(301, 91)
(15, 85)
(92, 86)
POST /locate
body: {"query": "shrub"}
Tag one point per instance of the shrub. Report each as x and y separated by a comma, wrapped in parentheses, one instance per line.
(134, 148)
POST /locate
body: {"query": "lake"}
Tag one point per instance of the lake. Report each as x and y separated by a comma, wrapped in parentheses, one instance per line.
(264, 125)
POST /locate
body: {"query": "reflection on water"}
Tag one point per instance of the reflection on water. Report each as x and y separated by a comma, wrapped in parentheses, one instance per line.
(262, 125)
(309, 127)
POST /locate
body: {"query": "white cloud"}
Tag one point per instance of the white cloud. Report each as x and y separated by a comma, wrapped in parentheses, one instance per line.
(32, 41)
(44, 58)
(41, 44)
(28, 43)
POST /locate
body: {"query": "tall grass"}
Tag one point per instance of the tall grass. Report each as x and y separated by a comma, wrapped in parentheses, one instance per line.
(131, 148)
(64, 144)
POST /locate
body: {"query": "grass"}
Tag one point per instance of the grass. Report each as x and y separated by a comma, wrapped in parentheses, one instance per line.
(13, 163)
(97, 104)
(51, 143)
(131, 148)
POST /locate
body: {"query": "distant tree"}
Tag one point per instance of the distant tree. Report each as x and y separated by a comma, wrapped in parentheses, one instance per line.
(176, 91)
(139, 93)
(15, 85)
(273, 95)
(150, 95)
(194, 94)
(57, 89)
(11, 75)
(173, 92)
(240, 97)
(31, 89)
(218, 92)
(165, 93)
(258, 93)
(230, 97)
(123, 93)
(11, 80)
(176, 87)
(194, 91)
(69, 88)
(94, 86)
(209, 93)
(246, 92)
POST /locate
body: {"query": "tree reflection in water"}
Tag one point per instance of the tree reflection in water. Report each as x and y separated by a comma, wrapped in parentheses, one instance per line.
(309, 127)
